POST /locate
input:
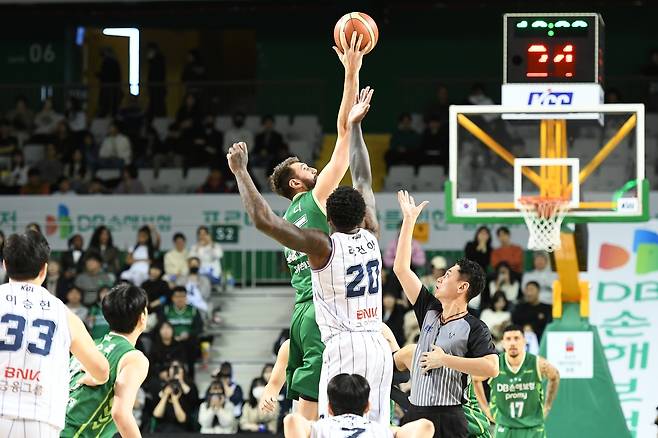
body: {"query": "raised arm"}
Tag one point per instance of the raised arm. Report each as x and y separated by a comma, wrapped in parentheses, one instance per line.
(548, 371)
(329, 177)
(410, 282)
(314, 243)
(360, 160)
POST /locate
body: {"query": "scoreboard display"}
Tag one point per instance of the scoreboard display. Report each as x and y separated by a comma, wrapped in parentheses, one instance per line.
(553, 48)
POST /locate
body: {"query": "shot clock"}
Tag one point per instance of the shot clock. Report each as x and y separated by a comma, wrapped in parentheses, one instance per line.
(553, 59)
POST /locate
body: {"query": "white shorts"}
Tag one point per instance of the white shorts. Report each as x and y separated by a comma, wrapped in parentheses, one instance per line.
(19, 428)
(364, 353)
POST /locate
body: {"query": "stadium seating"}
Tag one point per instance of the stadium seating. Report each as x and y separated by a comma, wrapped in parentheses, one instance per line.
(398, 178)
(33, 153)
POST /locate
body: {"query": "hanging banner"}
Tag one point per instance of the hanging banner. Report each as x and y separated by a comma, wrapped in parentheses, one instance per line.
(623, 275)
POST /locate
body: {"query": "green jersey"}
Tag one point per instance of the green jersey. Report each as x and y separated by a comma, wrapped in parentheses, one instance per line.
(304, 212)
(517, 398)
(98, 326)
(478, 423)
(89, 410)
(181, 320)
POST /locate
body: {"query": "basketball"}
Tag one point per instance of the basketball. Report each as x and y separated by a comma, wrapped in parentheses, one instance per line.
(358, 22)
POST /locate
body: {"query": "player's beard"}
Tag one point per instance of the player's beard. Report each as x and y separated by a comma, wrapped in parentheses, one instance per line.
(513, 353)
(310, 183)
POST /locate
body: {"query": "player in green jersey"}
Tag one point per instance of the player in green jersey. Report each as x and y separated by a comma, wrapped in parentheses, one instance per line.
(308, 191)
(517, 397)
(99, 411)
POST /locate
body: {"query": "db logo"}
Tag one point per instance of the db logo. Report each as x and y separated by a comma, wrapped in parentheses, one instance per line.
(548, 97)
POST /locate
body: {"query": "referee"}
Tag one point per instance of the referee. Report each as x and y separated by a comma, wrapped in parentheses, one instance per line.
(452, 343)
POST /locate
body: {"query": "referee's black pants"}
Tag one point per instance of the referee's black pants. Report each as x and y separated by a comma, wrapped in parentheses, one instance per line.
(449, 421)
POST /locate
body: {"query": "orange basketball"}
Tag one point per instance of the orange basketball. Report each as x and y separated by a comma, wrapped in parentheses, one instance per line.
(360, 23)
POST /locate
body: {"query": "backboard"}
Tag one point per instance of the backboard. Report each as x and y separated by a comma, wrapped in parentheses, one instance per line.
(500, 154)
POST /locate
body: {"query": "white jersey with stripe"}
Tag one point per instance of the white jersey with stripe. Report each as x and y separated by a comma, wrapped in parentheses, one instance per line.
(34, 354)
(346, 292)
(348, 426)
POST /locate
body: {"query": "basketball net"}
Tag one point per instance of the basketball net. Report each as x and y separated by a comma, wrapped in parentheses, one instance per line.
(544, 217)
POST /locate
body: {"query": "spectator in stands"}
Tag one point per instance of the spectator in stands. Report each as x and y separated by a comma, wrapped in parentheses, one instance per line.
(253, 419)
(189, 118)
(438, 266)
(156, 288)
(64, 141)
(232, 390)
(129, 184)
(93, 278)
(96, 322)
(194, 72)
(74, 303)
(178, 400)
(45, 122)
(411, 328)
(405, 143)
(439, 106)
(140, 258)
(434, 144)
(171, 150)
(543, 275)
(418, 258)
(73, 259)
(215, 183)
(507, 251)
(651, 70)
(175, 260)
(156, 79)
(89, 150)
(17, 175)
(109, 76)
(267, 144)
(532, 311)
(96, 187)
(393, 315)
(497, 315)
(8, 142)
(210, 254)
(477, 96)
(50, 167)
(75, 115)
(479, 249)
(64, 187)
(237, 132)
(21, 117)
(102, 243)
(131, 119)
(211, 141)
(612, 95)
(197, 286)
(35, 185)
(186, 321)
(216, 414)
(55, 282)
(166, 348)
(32, 226)
(503, 280)
(115, 151)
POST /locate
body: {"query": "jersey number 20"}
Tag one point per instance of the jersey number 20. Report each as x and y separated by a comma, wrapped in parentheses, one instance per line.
(355, 288)
(16, 329)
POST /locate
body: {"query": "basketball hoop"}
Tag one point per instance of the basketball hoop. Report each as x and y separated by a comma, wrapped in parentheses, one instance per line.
(544, 216)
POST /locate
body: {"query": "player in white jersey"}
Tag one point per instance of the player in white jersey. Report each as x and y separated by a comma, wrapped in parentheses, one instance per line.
(37, 331)
(348, 406)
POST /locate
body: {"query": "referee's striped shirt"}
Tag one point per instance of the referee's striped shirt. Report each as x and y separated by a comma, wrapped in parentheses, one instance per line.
(465, 337)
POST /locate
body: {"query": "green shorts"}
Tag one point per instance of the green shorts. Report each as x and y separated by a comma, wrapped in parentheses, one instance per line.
(305, 357)
(478, 423)
(530, 432)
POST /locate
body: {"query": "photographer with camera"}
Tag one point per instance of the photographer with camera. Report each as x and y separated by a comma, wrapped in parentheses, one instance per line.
(216, 414)
(178, 398)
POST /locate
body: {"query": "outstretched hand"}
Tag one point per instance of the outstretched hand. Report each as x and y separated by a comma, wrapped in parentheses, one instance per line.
(408, 205)
(237, 157)
(361, 106)
(349, 54)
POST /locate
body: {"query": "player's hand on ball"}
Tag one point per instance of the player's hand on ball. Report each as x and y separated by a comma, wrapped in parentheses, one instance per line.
(268, 400)
(408, 205)
(349, 54)
(237, 157)
(433, 359)
(361, 106)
